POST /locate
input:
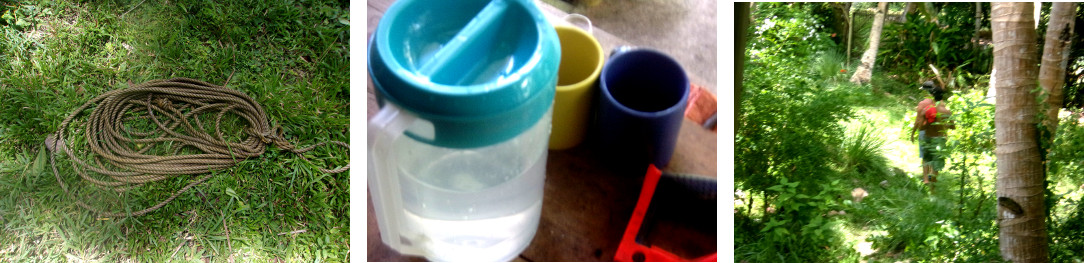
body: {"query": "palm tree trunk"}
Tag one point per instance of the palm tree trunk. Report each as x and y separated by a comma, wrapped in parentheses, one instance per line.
(1021, 212)
(865, 70)
(1059, 34)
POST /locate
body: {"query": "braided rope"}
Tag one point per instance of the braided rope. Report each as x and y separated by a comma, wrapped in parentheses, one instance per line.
(119, 153)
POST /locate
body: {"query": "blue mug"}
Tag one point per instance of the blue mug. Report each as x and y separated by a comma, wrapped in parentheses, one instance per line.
(642, 100)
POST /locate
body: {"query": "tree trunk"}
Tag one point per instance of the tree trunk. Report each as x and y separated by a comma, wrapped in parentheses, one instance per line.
(865, 70)
(1021, 213)
(1059, 34)
(839, 21)
(850, 31)
(743, 13)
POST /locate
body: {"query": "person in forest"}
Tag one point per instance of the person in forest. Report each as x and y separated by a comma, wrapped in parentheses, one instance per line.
(931, 122)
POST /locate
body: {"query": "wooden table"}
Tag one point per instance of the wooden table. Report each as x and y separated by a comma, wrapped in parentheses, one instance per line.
(585, 206)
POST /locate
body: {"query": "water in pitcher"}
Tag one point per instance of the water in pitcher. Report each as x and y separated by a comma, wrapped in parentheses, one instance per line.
(495, 239)
(479, 204)
(491, 230)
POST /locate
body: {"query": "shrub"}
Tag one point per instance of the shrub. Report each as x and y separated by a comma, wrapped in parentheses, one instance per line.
(788, 138)
(907, 49)
(862, 151)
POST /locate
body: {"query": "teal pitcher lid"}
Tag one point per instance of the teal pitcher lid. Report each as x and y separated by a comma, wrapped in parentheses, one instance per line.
(481, 71)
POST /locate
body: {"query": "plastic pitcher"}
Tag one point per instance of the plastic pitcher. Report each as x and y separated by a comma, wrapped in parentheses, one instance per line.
(457, 153)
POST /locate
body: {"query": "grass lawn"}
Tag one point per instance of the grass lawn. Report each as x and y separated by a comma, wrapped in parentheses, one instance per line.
(290, 57)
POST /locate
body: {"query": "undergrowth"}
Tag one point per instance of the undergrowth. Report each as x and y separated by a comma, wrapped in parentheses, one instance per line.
(825, 170)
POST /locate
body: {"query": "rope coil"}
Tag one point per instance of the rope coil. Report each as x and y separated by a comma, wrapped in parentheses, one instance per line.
(119, 152)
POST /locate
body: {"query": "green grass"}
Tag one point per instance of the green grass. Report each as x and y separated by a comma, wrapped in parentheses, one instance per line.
(899, 220)
(291, 57)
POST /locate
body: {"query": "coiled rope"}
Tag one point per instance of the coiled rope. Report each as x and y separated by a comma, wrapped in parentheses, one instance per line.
(119, 152)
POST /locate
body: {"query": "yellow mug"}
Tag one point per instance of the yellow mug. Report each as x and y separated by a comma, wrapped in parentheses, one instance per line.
(581, 63)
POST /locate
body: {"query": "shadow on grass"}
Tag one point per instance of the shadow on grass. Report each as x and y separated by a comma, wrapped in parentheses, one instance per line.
(291, 57)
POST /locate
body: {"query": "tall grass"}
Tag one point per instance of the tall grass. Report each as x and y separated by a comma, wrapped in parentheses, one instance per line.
(863, 151)
(831, 65)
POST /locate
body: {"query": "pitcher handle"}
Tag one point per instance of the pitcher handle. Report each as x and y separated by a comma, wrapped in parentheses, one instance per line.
(384, 128)
(621, 49)
(571, 18)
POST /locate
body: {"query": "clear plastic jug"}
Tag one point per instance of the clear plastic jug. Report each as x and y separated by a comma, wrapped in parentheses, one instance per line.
(457, 153)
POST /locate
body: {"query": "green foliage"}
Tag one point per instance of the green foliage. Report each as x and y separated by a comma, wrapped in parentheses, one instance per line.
(786, 128)
(908, 42)
(1066, 172)
(1066, 244)
(974, 119)
(785, 32)
(908, 48)
(20, 15)
(800, 229)
(791, 116)
(961, 15)
(1067, 151)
